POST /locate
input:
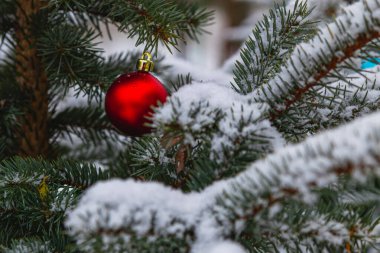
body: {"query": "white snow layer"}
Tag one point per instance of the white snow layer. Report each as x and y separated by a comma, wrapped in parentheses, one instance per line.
(180, 66)
(357, 21)
(363, 87)
(324, 230)
(317, 228)
(154, 210)
(221, 247)
(201, 107)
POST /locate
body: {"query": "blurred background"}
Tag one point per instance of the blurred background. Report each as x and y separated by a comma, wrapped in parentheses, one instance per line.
(233, 23)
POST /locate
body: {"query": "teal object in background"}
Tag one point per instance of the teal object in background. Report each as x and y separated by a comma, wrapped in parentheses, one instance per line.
(370, 63)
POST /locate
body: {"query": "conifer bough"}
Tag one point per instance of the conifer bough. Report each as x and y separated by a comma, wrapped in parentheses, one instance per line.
(256, 204)
(313, 61)
(239, 187)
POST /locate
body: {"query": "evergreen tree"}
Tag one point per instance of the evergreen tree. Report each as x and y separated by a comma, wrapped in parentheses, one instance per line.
(285, 158)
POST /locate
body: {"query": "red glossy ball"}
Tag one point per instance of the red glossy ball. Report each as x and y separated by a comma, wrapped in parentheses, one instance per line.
(129, 101)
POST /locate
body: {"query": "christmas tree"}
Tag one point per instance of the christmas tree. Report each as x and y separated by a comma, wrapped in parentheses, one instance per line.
(284, 157)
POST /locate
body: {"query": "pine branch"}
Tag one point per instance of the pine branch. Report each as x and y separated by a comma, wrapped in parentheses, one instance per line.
(47, 243)
(332, 46)
(84, 133)
(348, 52)
(28, 209)
(85, 118)
(32, 245)
(274, 39)
(146, 159)
(225, 121)
(30, 172)
(162, 159)
(293, 173)
(332, 224)
(228, 129)
(8, 123)
(319, 194)
(63, 49)
(340, 101)
(150, 21)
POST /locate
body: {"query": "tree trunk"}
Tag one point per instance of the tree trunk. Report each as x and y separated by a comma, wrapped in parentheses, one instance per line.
(33, 133)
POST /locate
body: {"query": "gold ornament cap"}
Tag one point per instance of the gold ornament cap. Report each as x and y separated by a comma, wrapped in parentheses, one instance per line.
(145, 63)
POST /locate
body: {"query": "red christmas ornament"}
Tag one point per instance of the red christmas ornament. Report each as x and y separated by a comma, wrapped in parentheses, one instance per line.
(130, 98)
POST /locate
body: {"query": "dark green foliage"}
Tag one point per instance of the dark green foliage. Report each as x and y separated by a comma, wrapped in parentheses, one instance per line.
(75, 65)
(9, 110)
(150, 21)
(180, 82)
(146, 159)
(142, 159)
(63, 34)
(286, 221)
(341, 103)
(274, 39)
(205, 171)
(37, 194)
(29, 245)
(7, 8)
(26, 212)
(90, 124)
(71, 58)
(327, 104)
(137, 245)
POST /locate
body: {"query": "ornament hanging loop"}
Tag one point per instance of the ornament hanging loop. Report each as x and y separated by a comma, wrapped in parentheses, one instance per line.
(145, 63)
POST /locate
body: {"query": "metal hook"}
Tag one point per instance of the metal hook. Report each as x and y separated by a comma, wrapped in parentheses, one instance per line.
(145, 63)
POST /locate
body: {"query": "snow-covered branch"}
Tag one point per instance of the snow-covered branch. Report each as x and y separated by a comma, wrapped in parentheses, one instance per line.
(315, 60)
(333, 103)
(356, 95)
(216, 113)
(129, 209)
(267, 49)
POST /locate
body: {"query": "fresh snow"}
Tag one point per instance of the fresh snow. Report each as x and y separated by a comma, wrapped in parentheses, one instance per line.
(183, 67)
(150, 208)
(363, 87)
(359, 19)
(220, 247)
(325, 230)
(201, 107)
